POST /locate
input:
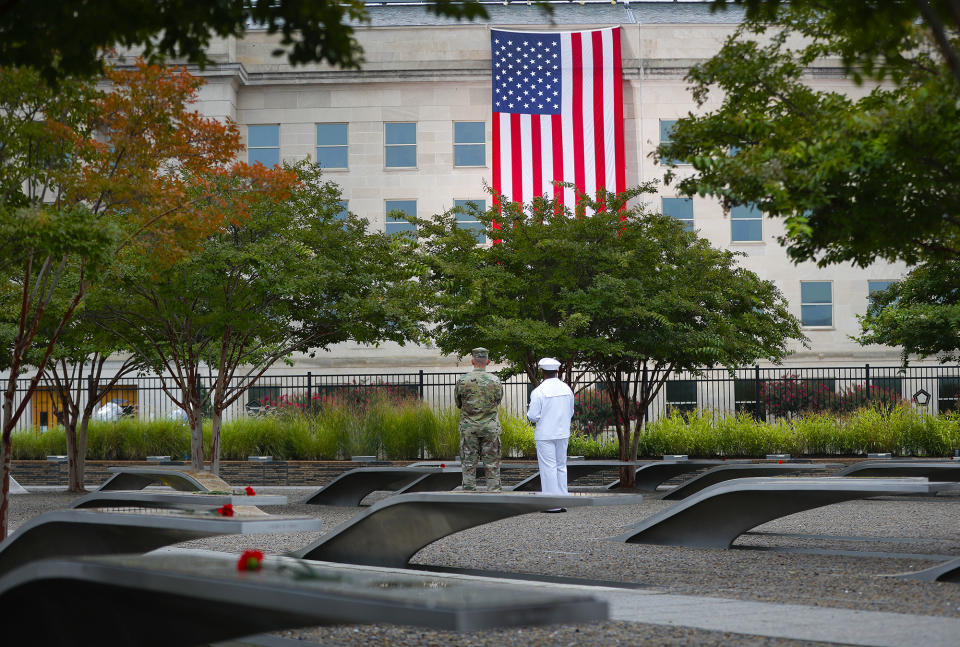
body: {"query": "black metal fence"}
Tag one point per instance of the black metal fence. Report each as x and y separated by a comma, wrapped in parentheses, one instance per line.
(766, 393)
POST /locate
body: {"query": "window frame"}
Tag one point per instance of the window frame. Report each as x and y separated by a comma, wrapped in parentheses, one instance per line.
(692, 220)
(665, 137)
(465, 204)
(345, 146)
(735, 219)
(263, 148)
(403, 223)
(482, 144)
(682, 406)
(830, 303)
(387, 147)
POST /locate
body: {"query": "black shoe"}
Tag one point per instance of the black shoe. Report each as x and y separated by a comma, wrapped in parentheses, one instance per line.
(555, 510)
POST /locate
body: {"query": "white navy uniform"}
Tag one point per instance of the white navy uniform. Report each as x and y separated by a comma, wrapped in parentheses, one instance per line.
(551, 409)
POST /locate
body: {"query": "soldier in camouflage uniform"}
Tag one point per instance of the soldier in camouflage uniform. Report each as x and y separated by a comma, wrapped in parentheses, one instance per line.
(478, 394)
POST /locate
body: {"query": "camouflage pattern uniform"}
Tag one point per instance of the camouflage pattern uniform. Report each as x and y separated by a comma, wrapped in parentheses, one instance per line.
(478, 394)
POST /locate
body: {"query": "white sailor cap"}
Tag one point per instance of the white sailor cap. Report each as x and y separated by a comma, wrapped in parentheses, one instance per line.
(549, 364)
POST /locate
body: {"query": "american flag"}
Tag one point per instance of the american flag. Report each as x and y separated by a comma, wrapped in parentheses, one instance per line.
(557, 113)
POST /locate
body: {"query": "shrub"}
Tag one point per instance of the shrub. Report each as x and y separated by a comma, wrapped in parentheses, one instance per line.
(592, 411)
(789, 396)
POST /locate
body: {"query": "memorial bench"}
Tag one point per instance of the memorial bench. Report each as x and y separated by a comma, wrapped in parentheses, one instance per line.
(948, 571)
(650, 476)
(171, 599)
(722, 473)
(89, 532)
(393, 530)
(715, 516)
(172, 500)
(137, 478)
(933, 470)
(575, 470)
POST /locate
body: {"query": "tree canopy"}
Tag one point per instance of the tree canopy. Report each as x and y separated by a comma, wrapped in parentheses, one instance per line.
(854, 179)
(626, 296)
(920, 314)
(298, 275)
(62, 39)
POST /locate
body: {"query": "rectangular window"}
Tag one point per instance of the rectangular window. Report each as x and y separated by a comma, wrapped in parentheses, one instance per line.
(816, 303)
(468, 218)
(469, 143)
(342, 214)
(876, 286)
(263, 144)
(400, 145)
(746, 224)
(332, 145)
(666, 136)
(948, 394)
(395, 223)
(681, 209)
(887, 388)
(682, 395)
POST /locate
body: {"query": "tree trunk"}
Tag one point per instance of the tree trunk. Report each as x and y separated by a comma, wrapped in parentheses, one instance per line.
(195, 418)
(5, 449)
(215, 440)
(77, 456)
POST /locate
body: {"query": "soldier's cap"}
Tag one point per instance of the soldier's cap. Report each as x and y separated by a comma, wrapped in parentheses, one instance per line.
(480, 353)
(549, 364)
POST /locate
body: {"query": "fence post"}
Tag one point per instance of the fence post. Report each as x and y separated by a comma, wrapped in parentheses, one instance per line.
(757, 412)
(309, 404)
(867, 368)
(420, 384)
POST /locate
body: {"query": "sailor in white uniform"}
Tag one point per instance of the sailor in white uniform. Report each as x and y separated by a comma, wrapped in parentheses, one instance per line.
(551, 409)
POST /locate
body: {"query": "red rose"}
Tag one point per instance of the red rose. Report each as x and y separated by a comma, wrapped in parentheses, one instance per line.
(226, 510)
(251, 560)
(250, 491)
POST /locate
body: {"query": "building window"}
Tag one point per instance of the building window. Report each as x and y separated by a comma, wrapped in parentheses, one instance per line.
(344, 212)
(948, 394)
(332, 145)
(263, 145)
(400, 145)
(886, 389)
(468, 218)
(682, 395)
(873, 287)
(469, 143)
(746, 224)
(666, 137)
(681, 209)
(816, 303)
(395, 222)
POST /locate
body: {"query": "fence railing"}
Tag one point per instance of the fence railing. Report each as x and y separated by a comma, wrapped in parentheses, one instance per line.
(766, 393)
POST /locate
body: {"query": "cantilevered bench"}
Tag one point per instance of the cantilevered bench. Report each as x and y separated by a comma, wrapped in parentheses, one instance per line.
(575, 470)
(170, 599)
(715, 516)
(946, 572)
(350, 488)
(89, 532)
(391, 531)
(933, 470)
(172, 500)
(722, 473)
(137, 478)
(650, 476)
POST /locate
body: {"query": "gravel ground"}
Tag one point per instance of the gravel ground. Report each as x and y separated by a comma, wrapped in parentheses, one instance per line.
(772, 564)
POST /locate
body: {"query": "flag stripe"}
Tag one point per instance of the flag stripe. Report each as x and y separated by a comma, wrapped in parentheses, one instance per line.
(496, 157)
(516, 149)
(536, 158)
(620, 163)
(599, 133)
(556, 123)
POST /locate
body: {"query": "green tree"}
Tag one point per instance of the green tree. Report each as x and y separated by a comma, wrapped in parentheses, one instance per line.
(87, 175)
(920, 314)
(853, 179)
(64, 39)
(625, 295)
(297, 276)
